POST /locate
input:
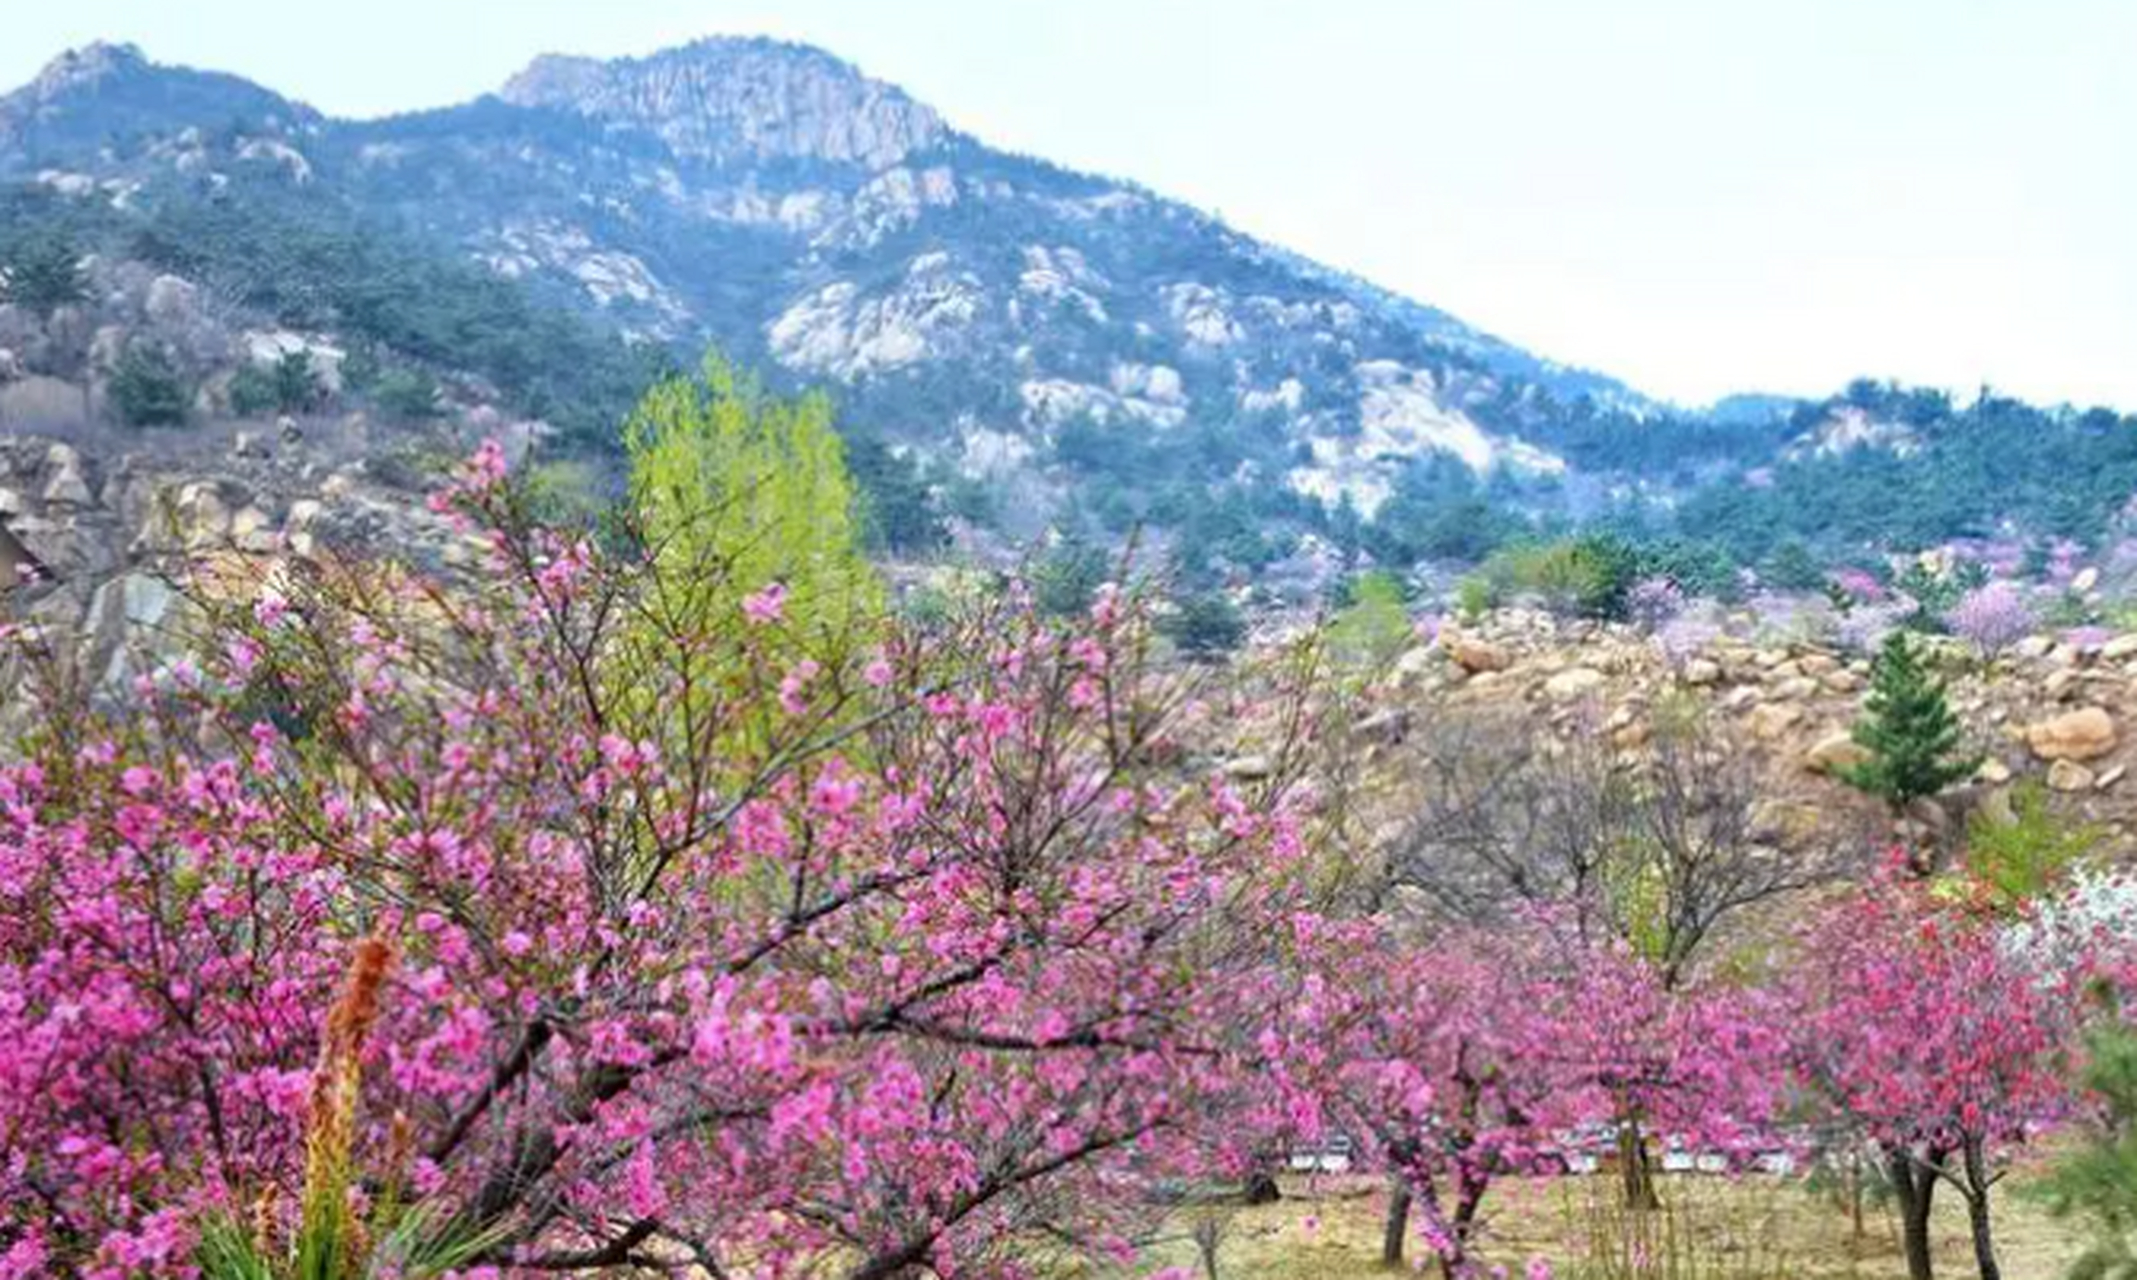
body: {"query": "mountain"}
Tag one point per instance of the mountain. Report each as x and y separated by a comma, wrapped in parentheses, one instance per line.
(88, 98)
(773, 200)
(1021, 344)
(739, 103)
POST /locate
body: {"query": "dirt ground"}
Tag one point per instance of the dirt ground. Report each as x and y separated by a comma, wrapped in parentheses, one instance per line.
(1328, 1228)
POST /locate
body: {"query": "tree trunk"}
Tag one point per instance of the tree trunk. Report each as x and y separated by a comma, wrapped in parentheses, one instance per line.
(1977, 1213)
(1855, 1199)
(1395, 1232)
(1455, 1265)
(1915, 1188)
(1634, 1168)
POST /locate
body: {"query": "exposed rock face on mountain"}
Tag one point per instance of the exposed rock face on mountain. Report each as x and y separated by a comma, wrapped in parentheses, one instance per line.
(113, 547)
(1091, 355)
(739, 102)
(771, 199)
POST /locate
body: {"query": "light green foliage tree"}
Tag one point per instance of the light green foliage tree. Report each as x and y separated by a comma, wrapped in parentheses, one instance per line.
(1373, 625)
(1587, 576)
(2020, 855)
(727, 476)
(1473, 597)
(1907, 726)
(571, 493)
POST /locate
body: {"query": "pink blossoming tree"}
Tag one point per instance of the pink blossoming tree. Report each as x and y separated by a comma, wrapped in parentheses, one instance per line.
(1925, 1037)
(704, 950)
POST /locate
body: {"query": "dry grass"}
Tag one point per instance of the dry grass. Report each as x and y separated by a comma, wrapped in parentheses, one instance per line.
(1329, 1229)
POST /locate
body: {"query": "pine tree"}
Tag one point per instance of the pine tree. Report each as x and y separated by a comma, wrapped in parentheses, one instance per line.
(1908, 728)
(42, 275)
(1206, 625)
(146, 389)
(2097, 1181)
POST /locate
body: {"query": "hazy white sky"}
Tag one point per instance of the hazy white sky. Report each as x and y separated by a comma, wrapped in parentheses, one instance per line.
(1699, 196)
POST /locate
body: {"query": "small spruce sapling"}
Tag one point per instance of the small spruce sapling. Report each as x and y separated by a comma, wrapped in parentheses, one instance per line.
(1907, 726)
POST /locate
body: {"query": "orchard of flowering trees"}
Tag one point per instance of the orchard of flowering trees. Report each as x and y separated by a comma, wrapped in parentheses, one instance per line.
(615, 912)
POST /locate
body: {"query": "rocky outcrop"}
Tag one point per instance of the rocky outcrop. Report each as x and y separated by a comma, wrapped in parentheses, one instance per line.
(1475, 655)
(112, 551)
(2068, 775)
(1574, 683)
(2048, 714)
(2084, 734)
(739, 99)
(1835, 752)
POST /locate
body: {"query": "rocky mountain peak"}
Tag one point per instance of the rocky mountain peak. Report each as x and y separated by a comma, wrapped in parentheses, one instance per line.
(105, 89)
(77, 71)
(86, 67)
(730, 99)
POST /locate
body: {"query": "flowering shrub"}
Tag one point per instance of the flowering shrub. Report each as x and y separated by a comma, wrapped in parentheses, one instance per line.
(702, 945)
(1784, 619)
(1683, 639)
(1654, 601)
(1482, 1056)
(1992, 618)
(1859, 586)
(2089, 639)
(1864, 628)
(2062, 565)
(1438, 1063)
(2092, 917)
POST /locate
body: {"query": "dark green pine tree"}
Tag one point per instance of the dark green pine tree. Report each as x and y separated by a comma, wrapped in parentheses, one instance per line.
(43, 275)
(2096, 1181)
(1907, 726)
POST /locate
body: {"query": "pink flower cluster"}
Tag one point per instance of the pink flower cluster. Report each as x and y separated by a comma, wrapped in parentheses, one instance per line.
(693, 927)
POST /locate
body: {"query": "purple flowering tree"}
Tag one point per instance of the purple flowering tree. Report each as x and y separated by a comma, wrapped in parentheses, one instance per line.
(1654, 601)
(1992, 618)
